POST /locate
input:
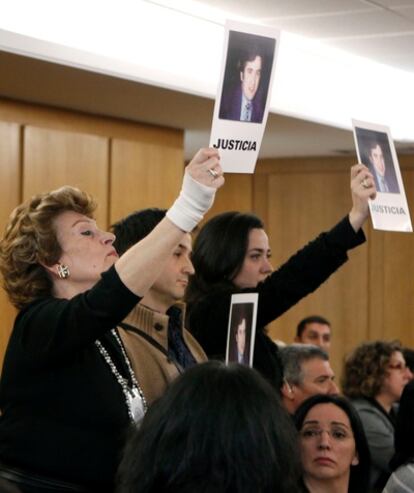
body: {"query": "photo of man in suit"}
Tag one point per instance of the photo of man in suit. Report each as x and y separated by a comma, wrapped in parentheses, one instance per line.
(384, 175)
(247, 76)
(375, 152)
(240, 337)
(241, 103)
(240, 333)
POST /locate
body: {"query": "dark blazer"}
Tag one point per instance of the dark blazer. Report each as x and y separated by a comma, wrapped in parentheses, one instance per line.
(230, 106)
(390, 178)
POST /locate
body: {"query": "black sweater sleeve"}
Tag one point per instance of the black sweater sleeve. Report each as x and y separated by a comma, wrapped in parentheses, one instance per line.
(299, 276)
(306, 270)
(53, 328)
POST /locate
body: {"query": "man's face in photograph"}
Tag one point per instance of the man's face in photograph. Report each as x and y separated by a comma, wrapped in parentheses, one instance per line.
(377, 160)
(241, 336)
(250, 77)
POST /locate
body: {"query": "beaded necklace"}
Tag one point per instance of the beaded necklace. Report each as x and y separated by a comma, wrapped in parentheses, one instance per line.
(134, 397)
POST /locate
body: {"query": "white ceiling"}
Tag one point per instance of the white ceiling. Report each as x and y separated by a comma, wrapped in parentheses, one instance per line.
(382, 30)
(379, 29)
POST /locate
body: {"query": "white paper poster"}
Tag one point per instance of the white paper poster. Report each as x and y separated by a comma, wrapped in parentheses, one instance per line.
(241, 330)
(375, 149)
(243, 95)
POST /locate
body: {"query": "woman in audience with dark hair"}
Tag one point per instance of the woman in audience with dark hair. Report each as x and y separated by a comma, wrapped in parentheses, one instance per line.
(217, 429)
(231, 254)
(402, 479)
(333, 446)
(374, 378)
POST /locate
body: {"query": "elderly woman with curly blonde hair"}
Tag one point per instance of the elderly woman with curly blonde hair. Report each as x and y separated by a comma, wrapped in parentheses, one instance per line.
(68, 393)
(374, 378)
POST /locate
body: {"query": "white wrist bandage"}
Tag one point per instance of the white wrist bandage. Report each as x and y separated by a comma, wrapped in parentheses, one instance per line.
(194, 201)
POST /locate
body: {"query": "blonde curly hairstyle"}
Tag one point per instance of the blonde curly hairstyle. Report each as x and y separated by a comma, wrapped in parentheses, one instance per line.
(366, 367)
(30, 241)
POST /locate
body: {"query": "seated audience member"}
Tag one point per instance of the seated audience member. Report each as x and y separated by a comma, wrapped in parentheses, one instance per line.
(333, 446)
(374, 377)
(217, 429)
(314, 330)
(402, 464)
(153, 333)
(67, 390)
(307, 372)
(232, 255)
(409, 361)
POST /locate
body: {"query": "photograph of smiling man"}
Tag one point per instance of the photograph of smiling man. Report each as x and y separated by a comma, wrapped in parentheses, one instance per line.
(376, 154)
(246, 79)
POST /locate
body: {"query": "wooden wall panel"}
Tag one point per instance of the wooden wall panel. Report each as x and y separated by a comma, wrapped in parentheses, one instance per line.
(53, 158)
(65, 120)
(9, 199)
(235, 195)
(302, 202)
(144, 175)
(392, 276)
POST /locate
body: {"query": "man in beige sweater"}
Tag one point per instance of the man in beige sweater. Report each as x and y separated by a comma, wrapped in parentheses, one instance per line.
(157, 344)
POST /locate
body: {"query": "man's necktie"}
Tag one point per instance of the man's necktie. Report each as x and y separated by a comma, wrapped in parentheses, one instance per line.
(247, 112)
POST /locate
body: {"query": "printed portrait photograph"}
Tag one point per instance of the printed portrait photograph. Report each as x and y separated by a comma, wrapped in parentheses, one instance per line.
(247, 74)
(240, 333)
(375, 152)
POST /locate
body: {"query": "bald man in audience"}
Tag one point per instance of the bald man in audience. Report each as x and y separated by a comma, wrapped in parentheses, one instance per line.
(306, 372)
(314, 330)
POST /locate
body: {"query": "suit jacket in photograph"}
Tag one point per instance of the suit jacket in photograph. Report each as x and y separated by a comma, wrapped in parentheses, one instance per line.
(230, 107)
(390, 179)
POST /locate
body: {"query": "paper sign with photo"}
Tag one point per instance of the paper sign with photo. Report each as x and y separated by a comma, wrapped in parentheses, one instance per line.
(242, 329)
(375, 149)
(243, 95)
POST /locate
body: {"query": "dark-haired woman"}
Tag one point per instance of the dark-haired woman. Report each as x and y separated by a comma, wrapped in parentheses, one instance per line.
(402, 464)
(217, 429)
(231, 255)
(333, 446)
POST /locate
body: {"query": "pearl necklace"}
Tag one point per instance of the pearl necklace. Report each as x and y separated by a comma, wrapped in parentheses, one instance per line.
(131, 394)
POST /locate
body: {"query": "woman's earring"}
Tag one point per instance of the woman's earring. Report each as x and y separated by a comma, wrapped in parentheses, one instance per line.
(63, 271)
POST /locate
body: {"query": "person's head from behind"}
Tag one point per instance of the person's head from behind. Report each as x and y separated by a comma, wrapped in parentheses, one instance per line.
(250, 67)
(231, 248)
(375, 370)
(173, 280)
(333, 446)
(314, 330)
(376, 157)
(306, 372)
(217, 429)
(404, 430)
(52, 246)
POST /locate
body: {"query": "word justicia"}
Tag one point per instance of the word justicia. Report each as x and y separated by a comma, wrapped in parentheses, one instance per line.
(236, 145)
(387, 209)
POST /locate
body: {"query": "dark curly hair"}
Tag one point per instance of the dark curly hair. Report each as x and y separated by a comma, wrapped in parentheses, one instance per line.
(30, 241)
(366, 367)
